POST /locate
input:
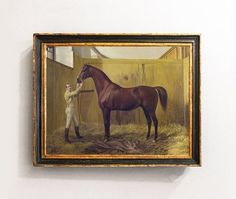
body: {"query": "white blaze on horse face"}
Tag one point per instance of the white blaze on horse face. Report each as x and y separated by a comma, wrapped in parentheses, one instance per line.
(79, 76)
(79, 79)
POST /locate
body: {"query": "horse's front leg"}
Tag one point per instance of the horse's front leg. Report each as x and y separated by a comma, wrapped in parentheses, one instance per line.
(106, 119)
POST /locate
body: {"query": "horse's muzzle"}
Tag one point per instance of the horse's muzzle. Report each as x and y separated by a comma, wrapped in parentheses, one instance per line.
(79, 81)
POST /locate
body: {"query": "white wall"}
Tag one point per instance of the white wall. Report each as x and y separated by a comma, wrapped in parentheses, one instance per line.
(214, 19)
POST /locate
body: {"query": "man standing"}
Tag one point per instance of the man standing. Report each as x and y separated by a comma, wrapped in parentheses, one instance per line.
(70, 97)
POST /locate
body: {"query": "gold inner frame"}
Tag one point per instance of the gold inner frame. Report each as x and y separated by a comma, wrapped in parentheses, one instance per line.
(109, 156)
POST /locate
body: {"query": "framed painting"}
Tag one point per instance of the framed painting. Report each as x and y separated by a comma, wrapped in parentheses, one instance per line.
(117, 100)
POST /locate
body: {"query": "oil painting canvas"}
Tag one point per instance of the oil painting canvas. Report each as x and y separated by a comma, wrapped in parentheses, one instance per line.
(116, 100)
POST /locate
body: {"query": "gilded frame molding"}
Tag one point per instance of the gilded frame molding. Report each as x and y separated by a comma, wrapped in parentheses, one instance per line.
(41, 158)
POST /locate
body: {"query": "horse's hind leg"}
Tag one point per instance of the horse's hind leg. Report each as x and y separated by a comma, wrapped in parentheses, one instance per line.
(149, 122)
(155, 122)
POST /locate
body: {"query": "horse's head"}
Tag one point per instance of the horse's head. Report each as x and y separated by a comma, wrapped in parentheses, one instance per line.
(84, 74)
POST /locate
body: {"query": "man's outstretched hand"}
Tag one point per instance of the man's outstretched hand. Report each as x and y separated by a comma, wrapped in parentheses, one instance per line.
(79, 85)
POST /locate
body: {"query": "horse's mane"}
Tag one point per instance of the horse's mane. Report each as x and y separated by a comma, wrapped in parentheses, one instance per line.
(101, 72)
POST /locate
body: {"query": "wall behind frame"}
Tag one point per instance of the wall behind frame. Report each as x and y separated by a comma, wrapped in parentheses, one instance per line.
(215, 20)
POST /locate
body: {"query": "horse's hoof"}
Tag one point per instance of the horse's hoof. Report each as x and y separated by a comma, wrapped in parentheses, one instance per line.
(106, 139)
(147, 138)
(154, 141)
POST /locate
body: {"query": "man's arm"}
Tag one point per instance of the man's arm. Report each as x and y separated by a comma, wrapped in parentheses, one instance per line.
(76, 91)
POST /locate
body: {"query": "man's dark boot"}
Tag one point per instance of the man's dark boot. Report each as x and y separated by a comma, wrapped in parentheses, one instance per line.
(77, 132)
(67, 135)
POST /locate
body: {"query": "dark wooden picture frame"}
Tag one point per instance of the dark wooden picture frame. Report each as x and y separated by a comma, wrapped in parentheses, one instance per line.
(42, 41)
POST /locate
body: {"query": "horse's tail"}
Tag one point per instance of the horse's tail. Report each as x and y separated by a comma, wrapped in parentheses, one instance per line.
(162, 95)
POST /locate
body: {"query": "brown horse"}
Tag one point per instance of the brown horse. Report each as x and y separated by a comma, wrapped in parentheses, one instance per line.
(113, 97)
